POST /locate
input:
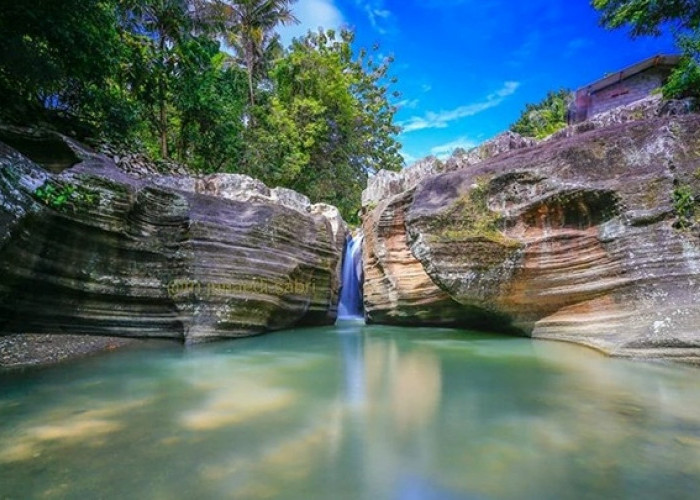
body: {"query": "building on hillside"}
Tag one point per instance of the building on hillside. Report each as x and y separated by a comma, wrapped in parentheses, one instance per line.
(622, 88)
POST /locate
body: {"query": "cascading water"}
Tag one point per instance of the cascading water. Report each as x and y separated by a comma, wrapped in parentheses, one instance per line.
(350, 304)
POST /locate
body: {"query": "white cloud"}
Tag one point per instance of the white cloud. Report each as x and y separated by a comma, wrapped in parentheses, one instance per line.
(379, 16)
(445, 150)
(443, 118)
(407, 104)
(312, 14)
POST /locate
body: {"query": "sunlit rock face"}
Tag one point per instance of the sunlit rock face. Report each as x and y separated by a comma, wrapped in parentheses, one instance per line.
(577, 239)
(191, 258)
(397, 288)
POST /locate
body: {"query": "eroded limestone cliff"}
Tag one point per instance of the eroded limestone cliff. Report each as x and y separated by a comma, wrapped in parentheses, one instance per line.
(591, 238)
(93, 250)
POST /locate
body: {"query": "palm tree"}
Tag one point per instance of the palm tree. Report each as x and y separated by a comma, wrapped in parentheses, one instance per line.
(159, 25)
(162, 25)
(250, 32)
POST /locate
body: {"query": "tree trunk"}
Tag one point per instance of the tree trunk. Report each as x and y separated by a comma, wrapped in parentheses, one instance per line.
(163, 119)
(162, 112)
(251, 90)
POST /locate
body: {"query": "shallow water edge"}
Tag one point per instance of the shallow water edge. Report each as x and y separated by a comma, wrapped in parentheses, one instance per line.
(352, 411)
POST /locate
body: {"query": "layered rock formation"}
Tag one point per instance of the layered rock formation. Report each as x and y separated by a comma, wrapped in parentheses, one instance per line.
(386, 184)
(592, 239)
(648, 108)
(94, 250)
(397, 289)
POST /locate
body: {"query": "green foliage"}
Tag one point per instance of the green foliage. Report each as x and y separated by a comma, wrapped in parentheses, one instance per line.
(149, 75)
(685, 207)
(644, 17)
(253, 38)
(52, 52)
(685, 79)
(545, 117)
(62, 197)
(163, 41)
(209, 99)
(327, 126)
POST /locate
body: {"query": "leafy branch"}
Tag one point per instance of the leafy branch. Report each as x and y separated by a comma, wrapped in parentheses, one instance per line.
(62, 197)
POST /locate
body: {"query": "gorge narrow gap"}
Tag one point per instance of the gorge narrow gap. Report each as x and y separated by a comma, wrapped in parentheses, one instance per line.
(350, 304)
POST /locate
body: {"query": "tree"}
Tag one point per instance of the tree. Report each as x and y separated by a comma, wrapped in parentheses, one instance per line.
(51, 51)
(684, 81)
(644, 17)
(152, 72)
(545, 117)
(250, 32)
(158, 28)
(328, 124)
(209, 100)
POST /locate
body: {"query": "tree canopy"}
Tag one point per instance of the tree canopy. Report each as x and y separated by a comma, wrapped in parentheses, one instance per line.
(54, 54)
(644, 17)
(329, 110)
(545, 117)
(249, 30)
(152, 75)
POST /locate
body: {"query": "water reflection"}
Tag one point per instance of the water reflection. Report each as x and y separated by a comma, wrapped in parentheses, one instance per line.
(352, 352)
(375, 369)
(353, 412)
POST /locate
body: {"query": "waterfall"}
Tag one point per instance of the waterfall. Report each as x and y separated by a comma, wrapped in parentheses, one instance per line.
(350, 304)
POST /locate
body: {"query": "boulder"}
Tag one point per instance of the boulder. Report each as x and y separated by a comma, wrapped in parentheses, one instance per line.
(290, 198)
(233, 187)
(582, 239)
(386, 184)
(340, 232)
(95, 250)
(420, 170)
(382, 185)
(501, 144)
(397, 289)
(648, 108)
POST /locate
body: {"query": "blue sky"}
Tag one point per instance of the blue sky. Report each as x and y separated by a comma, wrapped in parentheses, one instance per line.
(466, 68)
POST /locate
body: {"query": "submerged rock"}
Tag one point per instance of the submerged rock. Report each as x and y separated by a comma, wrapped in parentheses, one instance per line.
(592, 239)
(96, 250)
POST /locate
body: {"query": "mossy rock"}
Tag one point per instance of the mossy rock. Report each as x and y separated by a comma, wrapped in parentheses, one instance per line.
(470, 218)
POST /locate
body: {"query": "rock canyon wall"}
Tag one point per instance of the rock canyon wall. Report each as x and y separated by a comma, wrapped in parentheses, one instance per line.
(90, 249)
(592, 237)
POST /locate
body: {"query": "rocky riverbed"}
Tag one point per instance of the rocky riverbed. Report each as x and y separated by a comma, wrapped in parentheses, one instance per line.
(26, 349)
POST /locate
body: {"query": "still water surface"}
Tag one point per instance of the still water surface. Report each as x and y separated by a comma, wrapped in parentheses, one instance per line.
(353, 412)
